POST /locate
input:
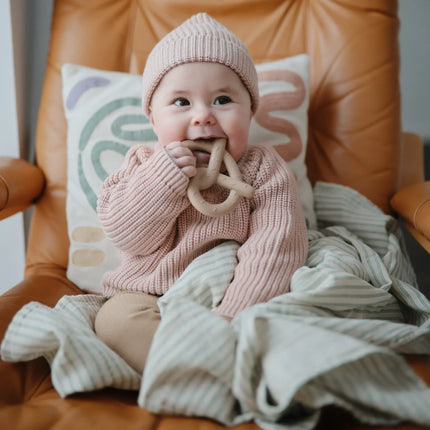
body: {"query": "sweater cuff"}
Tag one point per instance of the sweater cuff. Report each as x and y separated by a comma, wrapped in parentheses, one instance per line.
(169, 173)
(228, 310)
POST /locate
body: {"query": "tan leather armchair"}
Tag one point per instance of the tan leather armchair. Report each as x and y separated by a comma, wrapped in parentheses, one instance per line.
(355, 139)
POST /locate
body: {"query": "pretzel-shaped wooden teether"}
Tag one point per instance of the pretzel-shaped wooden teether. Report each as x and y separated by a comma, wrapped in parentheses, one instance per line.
(208, 176)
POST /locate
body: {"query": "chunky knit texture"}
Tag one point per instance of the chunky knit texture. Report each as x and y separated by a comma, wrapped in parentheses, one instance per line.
(146, 213)
(199, 39)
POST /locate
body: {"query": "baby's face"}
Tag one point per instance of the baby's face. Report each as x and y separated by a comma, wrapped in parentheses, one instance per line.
(202, 101)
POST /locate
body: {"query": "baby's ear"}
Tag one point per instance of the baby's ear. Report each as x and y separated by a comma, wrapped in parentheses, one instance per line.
(152, 121)
(150, 116)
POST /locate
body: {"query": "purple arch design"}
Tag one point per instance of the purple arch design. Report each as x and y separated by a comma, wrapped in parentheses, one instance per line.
(82, 86)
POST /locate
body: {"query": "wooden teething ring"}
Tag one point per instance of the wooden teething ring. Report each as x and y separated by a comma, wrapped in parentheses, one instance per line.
(208, 176)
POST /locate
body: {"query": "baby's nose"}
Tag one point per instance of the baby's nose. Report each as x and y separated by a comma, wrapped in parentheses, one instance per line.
(202, 115)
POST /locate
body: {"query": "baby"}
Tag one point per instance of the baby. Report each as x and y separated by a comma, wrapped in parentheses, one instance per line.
(199, 83)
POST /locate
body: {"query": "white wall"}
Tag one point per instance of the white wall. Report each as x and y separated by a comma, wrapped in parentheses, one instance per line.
(24, 36)
(24, 61)
(11, 230)
(415, 65)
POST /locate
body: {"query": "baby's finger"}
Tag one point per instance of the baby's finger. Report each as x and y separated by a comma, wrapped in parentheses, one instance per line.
(177, 149)
(189, 171)
(185, 160)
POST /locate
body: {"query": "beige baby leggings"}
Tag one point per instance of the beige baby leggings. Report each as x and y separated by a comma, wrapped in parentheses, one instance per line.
(127, 323)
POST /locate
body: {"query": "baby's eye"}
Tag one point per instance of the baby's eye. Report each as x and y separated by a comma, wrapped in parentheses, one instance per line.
(222, 100)
(181, 101)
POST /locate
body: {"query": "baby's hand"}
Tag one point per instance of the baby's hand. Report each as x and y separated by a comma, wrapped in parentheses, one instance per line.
(183, 157)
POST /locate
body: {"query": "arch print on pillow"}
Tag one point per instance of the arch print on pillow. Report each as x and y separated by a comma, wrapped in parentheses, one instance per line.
(282, 118)
(105, 118)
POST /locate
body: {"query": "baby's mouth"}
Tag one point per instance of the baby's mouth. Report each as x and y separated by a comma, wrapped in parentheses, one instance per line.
(206, 139)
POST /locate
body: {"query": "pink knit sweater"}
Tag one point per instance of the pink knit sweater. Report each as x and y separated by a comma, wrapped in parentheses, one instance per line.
(145, 212)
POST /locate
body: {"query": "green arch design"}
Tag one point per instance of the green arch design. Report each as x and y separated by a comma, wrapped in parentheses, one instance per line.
(88, 191)
(104, 111)
(105, 145)
(118, 130)
(145, 134)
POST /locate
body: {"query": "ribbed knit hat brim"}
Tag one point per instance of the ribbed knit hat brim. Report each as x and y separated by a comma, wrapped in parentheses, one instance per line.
(199, 39)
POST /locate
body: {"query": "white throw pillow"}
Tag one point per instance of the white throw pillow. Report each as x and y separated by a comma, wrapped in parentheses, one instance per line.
(104, 118)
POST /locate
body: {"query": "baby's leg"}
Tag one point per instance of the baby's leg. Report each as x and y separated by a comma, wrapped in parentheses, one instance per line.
(127, 323)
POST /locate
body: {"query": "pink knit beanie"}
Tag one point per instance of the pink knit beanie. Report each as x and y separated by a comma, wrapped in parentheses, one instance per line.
(199, 39)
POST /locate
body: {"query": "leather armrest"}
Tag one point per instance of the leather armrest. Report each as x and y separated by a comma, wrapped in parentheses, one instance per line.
(412, 201)
(413, 204)
(21, 183)
(21, 381)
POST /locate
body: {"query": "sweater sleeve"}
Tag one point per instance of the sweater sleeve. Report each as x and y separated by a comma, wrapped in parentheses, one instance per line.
(139, 203)
(277, 243)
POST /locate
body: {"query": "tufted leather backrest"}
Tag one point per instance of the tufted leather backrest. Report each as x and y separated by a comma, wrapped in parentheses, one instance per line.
(354, 112)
